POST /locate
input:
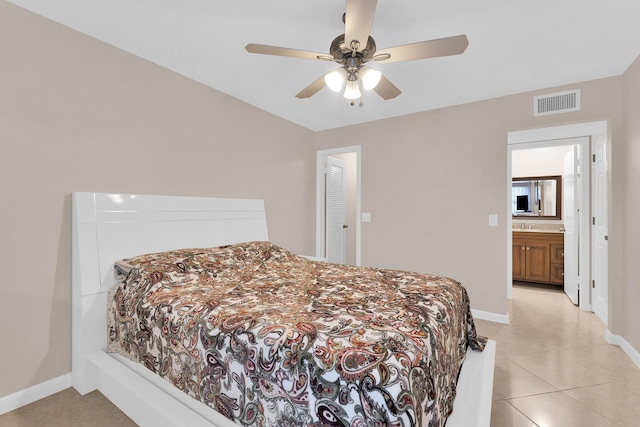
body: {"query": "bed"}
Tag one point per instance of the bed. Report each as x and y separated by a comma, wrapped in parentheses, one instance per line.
(112, 227)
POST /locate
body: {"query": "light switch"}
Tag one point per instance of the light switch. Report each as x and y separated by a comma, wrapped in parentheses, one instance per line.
(493, 220)
(366, 216)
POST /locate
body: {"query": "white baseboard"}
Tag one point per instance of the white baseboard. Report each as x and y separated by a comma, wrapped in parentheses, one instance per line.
(489, 316)
(618, 340)
(36, 392)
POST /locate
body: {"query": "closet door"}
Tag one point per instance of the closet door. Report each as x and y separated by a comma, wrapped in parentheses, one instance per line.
(335, 210)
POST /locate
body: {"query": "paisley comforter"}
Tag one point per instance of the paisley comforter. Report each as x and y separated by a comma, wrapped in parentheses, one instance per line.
(268, 338)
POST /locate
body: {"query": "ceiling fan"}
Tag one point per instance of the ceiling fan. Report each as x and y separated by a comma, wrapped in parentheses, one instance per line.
(351, 51)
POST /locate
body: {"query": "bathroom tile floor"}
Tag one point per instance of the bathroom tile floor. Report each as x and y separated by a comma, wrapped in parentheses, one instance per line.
(553, 368)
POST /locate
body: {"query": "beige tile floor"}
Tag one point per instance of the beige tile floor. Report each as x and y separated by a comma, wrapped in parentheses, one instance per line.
(553, 368)
(68, 409)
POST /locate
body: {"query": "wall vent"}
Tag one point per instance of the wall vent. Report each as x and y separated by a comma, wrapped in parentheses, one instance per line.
(555, 103)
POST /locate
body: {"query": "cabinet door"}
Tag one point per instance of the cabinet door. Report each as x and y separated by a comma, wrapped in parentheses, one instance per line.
(537, 262)
(557, 274)
(557, 253)
(518, 258)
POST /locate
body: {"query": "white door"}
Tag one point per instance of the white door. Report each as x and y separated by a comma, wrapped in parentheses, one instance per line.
(335, 210)
(570, 206)
(600, 291)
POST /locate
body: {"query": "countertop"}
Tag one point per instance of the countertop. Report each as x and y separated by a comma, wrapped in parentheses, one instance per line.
(536, 230)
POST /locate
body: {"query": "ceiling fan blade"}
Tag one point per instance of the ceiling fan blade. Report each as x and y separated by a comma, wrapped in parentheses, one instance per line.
(284, 51)
(358, 20)
(422, 50)
(386, 89)
(312, 89)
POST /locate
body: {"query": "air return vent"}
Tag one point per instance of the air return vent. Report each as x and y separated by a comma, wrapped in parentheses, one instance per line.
(555, 103)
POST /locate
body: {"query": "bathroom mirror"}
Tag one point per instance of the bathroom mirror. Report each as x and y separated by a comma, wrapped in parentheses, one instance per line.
(537, 197)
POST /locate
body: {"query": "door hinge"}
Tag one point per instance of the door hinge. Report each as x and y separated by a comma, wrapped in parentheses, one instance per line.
(593, 220)
(593, 284)
(594, 158)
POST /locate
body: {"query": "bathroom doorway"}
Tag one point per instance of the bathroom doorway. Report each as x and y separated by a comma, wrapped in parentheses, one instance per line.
(592, 262)
(565, 262)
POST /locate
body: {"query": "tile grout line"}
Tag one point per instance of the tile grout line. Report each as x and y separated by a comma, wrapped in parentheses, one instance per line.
(522, 413)
(589, 407)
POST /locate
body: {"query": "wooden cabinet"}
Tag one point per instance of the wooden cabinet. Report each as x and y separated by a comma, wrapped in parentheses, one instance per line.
(538, 257)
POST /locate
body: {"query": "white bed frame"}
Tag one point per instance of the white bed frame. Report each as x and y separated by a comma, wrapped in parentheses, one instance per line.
(109, 227)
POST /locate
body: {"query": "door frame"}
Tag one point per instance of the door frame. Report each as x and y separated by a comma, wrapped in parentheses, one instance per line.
(321, 155)
(599, 209)
(544, 137)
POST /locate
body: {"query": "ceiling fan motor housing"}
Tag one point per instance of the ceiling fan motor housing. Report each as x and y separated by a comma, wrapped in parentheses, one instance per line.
(340, 51)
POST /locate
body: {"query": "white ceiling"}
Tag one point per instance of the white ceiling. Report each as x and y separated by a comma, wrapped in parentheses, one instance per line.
(514, 46)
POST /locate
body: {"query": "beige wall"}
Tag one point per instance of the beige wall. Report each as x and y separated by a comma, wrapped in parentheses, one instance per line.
(538, 161)
(631, 278)
(431, 179)
(79, 115)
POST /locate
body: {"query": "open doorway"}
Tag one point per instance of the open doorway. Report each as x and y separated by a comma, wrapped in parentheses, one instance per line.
(592, 260)
(350, 159)
(551, 239)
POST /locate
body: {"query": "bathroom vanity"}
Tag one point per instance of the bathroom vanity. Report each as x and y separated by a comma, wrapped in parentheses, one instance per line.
(538, 256)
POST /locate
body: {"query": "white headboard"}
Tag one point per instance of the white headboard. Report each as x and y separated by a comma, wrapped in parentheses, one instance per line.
(109, 227)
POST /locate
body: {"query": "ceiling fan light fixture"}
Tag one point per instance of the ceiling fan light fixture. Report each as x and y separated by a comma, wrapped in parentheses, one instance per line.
(370, 78)
(335, 79)
(352, 90)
